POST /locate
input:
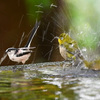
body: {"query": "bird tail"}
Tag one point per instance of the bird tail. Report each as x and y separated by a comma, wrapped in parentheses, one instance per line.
(33, 32)
(87, 64)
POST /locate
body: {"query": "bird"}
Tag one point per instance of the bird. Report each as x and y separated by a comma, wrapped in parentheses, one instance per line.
(69, 49)
(21, 55)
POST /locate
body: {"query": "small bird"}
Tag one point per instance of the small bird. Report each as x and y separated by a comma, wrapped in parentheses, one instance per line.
(21, 55)
(68, 48)
(70, 51)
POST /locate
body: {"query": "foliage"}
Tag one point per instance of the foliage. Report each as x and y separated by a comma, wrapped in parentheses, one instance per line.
(85, 19)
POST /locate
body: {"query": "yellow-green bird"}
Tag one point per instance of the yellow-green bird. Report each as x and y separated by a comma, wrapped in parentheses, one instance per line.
(68, 48)
(70, 51)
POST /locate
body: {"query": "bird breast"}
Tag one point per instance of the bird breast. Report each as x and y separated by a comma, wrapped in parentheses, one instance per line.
(62, 50)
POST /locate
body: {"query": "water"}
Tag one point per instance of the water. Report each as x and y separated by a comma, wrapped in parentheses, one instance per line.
(45, 85)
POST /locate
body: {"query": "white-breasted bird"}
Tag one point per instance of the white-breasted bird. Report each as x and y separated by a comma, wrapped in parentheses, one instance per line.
(21, 55)
(69, 49)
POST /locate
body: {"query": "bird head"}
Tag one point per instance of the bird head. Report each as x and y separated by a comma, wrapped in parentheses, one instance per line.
(11, 51)
(64, 38)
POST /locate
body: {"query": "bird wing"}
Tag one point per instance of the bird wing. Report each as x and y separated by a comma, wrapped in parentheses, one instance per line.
(72, 49)
(22, 54)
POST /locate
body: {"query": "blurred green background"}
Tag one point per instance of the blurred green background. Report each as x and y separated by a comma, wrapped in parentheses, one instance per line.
(79, 18)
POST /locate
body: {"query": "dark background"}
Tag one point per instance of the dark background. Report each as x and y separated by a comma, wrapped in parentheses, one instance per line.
(16, 20)
(81, 19)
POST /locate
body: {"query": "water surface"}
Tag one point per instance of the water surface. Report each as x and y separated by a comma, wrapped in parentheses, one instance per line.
(47, 85)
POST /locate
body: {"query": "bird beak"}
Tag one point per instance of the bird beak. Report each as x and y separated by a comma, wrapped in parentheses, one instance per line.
(6, 51)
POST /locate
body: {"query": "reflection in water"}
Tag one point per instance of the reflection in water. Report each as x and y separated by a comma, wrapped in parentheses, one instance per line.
(34, 85)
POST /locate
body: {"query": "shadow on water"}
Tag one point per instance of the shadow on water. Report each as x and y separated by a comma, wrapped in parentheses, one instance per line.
(44, 83)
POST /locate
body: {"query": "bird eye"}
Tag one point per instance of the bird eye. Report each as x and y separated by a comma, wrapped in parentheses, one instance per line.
(61, 38)
(9, 50)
